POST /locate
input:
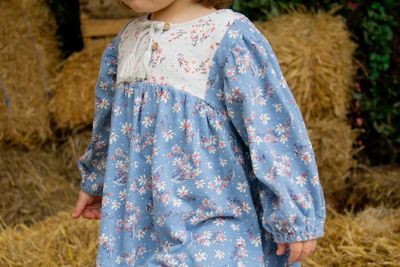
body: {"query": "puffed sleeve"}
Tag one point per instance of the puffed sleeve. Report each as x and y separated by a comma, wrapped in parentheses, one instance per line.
(92, 163)
(265, 114)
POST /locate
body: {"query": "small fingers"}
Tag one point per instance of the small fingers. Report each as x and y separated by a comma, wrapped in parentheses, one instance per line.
(79, 207)
(295, 251)
(95, 205)
(281, 247)
(92, 213)
(308, 248)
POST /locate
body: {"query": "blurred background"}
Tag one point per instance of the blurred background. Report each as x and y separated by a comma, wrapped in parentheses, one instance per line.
(340, 58)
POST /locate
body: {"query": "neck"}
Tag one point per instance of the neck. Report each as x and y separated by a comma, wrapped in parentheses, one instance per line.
(181, 11)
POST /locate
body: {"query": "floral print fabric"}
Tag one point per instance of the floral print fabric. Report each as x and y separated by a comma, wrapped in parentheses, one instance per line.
(213, 181)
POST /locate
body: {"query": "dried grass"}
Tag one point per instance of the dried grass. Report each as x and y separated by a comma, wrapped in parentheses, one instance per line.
(369, 238)
(315, 52)
(375, 186)
(332, 141)
(59, 240)
(32, 185)
(71, 149)
(74, 100)
(28, 55)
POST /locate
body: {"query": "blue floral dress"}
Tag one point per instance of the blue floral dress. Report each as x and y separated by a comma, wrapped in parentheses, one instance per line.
(199, 150)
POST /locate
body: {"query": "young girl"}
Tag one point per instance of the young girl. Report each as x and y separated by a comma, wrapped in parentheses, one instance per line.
(199, 154)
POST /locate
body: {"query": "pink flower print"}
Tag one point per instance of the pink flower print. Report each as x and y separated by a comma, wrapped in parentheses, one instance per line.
(233, 33)
(281, 165)
(158, 186)
(240, 249)
(200, 256)
(140, 101)
(209, 143)
(305, 156)
(186, 126)
(254, 239)
(182, 192)
(187, 164)
(128, 91)
(131, 257)
(167, 134)
(141, 142)
(180, 236)
(157, 56)
(221, 144)
(176, 107)
(204, 66)
(208, 238)
(260, 48)
(148, 120)
(231, 72)
(315, 180)
(107, 243)
(121, 164)
(218, 184)
(161, 95)
(103, 103)
(141, 185)
(301, 179)
(183, 63)
(304, 200)
(175, 35)
(270, 137)
(126, 128)
(200, 32)
(193, 67)
(236, 96)
(243, 60)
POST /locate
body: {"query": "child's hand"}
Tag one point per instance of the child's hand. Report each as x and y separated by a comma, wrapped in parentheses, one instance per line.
(88, 205)
(298, 250)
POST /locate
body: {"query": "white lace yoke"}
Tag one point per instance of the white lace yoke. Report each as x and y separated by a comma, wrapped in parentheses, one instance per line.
(178, 54)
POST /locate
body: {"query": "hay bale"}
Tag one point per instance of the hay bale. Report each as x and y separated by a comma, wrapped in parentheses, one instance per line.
(32, 185)
(369, 238)
(28, 55)
(44, 28)
(332, 140)
(374, 186)
(71, 149)
(74, 99)
(59, 240)
(315, 52)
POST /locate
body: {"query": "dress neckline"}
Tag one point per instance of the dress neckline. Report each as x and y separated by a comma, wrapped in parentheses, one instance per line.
(146, 20)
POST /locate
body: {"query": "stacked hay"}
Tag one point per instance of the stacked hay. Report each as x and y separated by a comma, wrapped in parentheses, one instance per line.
(32, 185)
(369, 238)
(28, 55)
(315, 54)
(375, 186)
(70, 150)
(59, 240)
(73, 103)
(43, 26)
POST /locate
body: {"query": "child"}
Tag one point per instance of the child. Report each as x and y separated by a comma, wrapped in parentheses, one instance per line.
(199, 154)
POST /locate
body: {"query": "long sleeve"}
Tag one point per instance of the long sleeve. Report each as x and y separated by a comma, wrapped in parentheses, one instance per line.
(265, 114)
(92, 163)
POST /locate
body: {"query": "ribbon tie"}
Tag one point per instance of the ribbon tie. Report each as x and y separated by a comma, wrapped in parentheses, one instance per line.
(136, 66)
